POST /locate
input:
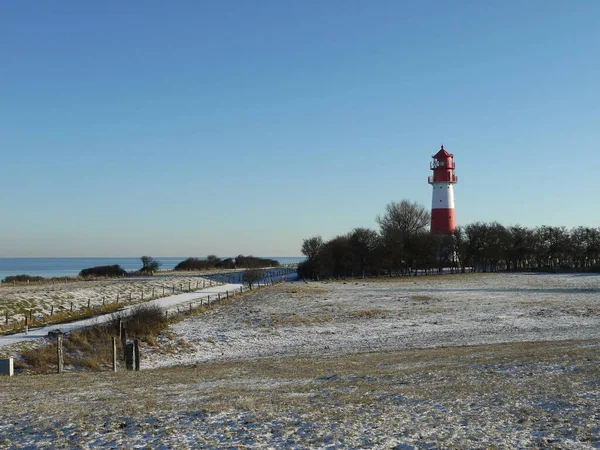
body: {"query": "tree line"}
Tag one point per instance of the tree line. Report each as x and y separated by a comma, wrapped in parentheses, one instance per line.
(214, 262)
(403, 245)
(151, 265)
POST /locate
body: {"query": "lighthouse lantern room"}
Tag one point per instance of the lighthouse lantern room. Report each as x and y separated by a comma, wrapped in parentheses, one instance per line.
(443, 217)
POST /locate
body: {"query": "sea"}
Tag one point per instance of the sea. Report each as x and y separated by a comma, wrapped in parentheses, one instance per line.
(70, 267)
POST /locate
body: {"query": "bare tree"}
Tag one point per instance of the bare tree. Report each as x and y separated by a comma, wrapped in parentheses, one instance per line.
(252, 276)
(149, 265)
(401, 226)
(311, 247)
(405, 217)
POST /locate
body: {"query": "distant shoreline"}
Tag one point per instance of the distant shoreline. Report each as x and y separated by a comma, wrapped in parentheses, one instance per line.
(56, 267)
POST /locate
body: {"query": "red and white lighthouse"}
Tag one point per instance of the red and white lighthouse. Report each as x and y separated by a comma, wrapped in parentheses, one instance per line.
(443, 217)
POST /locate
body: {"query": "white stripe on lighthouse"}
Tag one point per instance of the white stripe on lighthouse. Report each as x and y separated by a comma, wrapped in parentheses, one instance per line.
(443, 195)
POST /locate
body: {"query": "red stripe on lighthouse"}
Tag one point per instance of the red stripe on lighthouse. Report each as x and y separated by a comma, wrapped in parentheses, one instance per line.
(443, 220)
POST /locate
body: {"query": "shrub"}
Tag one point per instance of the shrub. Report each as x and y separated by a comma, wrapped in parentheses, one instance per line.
(213, 262)
(103, 271)
(21, 278)
(91, 348)
(227, 263)
(41, 359)
(145, 322)
(252, 262)
(252, 276)
(195, 264)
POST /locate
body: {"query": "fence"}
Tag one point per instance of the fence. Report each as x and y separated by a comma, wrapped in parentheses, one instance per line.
(128, 350)
(207, 300)
(105, 304)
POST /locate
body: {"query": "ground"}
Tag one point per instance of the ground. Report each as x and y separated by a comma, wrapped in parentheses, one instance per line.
(392, 314)
(463, 361)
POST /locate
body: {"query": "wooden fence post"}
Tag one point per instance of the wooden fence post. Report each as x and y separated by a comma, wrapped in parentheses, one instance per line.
(114, 353)
(166, 315)
(130, 296)
(142, 295)
(173, 289)
(71, 306)
(190, 286)
(88, 303)
(7, 315)
(152, 292)
(123, 337)
(190, 308)
(129, 356)
(136, 353)
(163, 291)
(59, 352)
(117, 298)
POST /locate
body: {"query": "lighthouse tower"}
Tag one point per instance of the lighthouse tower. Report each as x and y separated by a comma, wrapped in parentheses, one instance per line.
(443, 218)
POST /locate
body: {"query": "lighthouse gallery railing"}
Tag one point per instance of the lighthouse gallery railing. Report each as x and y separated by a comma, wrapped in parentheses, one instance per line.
(453, 179)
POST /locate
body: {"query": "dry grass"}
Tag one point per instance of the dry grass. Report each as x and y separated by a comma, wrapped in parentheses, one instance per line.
(276, 320)
(39, 360)
(374, 313)
(299, 291)
(145, 322)
(185, 344)
(91, 348)
(501, 391)
(62, 315)
(412, 278)
(421, 298)
(430, 374)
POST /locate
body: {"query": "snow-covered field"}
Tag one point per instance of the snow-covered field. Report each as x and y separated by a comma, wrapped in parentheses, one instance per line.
(203, 290)
(42, 299)
(358, 316)
(462, 361)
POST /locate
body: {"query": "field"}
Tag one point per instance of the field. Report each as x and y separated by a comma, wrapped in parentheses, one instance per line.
(70, 299)
(462, 361)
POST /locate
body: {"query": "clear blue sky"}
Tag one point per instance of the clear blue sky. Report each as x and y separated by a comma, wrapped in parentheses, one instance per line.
(189, 128)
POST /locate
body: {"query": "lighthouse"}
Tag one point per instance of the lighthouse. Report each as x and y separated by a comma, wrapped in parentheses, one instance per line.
(443, 217)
